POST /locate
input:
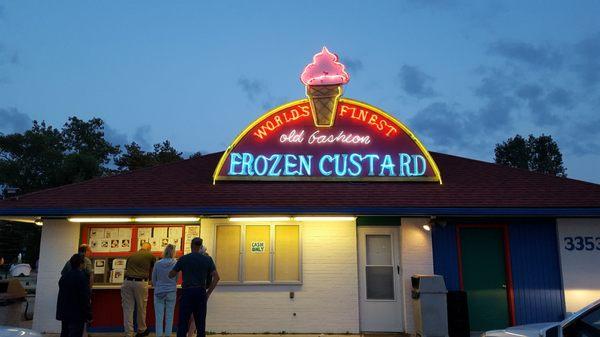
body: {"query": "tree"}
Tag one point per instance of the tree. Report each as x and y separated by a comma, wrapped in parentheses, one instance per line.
(87, 150)
(538, 154)
(165, 153)
(135, 158)
(44, 157)
(32, 160)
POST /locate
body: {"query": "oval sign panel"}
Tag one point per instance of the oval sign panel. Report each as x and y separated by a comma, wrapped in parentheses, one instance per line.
(327, 138)
(360, 143)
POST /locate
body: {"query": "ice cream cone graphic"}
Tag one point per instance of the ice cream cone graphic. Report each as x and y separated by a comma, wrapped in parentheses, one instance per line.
(324, 78)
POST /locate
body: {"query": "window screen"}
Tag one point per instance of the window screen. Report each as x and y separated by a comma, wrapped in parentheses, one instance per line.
(287, 253)
(269, 253)
(257, 253)
(228, 252)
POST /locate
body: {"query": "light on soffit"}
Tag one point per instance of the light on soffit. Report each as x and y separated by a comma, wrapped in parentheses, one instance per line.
(325, 218)
(100, 219)
(260, 219)
(167, 219)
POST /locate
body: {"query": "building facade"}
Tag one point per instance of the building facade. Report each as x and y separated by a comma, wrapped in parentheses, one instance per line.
(317, 216)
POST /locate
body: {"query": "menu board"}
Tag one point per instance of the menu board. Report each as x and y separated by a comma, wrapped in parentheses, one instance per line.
(115, 243)
(109, 240)
(160, 237)
(191, 232)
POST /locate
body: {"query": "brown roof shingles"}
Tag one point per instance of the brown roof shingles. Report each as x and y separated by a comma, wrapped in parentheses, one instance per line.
(187, 186)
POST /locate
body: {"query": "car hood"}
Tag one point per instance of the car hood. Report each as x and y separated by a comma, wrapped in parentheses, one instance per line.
(7, 331)
(529, 330)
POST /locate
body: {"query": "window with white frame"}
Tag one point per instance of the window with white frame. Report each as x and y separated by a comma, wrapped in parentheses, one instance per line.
(258, 253)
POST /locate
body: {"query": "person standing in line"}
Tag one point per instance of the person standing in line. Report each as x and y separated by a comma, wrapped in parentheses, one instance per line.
(192, 325)
(85, 251)
(196, 268)
(165, 292)
(73, 306)
(134, 290)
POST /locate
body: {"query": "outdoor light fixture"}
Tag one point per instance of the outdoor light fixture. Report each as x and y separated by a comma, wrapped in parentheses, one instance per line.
(427, 227)
(139, 219)
(325, 218)
(167, 219)
(100, 219)
(261, 219)
(38, 222)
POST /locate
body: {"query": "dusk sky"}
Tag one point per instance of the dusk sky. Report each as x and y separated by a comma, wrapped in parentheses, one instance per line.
(462, 75)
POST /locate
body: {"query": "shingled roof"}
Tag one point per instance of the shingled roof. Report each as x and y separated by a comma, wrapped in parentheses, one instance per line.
(470, 187)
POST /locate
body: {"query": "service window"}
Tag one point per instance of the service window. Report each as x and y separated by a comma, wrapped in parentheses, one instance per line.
(287, 257)
(258, 253)
(228, 251)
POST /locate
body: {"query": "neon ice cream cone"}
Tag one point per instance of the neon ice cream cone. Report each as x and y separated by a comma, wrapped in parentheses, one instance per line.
(324, 79)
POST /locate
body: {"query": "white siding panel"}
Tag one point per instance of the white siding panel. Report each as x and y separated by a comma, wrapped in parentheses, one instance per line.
(59, 242)
(579, 263)
(417, 258)
(327, 301)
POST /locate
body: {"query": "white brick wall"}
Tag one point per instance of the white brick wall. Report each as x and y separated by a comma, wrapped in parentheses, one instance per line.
(327, 301)
(60, 239)
(579, 263)
(417, 258)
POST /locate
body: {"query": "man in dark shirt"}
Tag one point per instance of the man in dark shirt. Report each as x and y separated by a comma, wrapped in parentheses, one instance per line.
(134, 290)
(73, 306)
(196, 268)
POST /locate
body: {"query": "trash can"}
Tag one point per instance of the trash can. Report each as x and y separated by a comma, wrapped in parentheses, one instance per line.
(12, 297)
(458, 314)
(429, 304)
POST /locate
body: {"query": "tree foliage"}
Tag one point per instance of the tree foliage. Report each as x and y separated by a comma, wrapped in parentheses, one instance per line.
(135, 158)
(45, 157)
(538, 154)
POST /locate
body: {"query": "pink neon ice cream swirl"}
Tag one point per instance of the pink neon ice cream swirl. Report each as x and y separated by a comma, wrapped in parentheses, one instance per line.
(324, 70)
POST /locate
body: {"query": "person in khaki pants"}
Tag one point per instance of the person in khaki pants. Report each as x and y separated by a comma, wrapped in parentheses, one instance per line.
(134, 290)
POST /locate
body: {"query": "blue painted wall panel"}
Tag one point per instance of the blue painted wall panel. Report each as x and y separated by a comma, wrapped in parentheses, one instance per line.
(536, 272)
(445, 255)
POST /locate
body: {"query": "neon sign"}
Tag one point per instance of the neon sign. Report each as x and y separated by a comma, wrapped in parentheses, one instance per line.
(327, 138)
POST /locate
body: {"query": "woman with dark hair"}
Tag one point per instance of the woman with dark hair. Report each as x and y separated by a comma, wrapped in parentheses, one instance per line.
(73, 307)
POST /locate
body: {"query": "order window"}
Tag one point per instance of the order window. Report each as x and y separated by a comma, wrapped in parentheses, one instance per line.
(261, 253)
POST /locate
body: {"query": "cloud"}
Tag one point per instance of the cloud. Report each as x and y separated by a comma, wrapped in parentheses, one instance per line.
(498, 103)
(544, 56)
(582, 137)
(114, 136)
(13, 121)
(561, 98)
(271, 102)
(587, 66)
(251, 87)
(141, 136)
(353, 65)
(415, 82)
(431, 4)
(443, 125)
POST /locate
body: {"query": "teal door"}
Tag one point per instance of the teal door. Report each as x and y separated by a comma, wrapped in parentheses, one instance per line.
(484, 277)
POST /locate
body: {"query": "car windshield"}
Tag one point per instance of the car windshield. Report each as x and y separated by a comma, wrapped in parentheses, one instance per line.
(588, 325)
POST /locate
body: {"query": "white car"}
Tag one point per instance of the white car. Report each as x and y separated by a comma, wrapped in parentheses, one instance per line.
(11, 331)
(584, 323)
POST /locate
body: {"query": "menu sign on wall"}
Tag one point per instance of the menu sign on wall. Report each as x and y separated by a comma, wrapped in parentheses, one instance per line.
(326, 137)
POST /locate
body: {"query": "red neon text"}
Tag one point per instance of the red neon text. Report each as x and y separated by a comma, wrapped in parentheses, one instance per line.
(371, 118)
(273, 123)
